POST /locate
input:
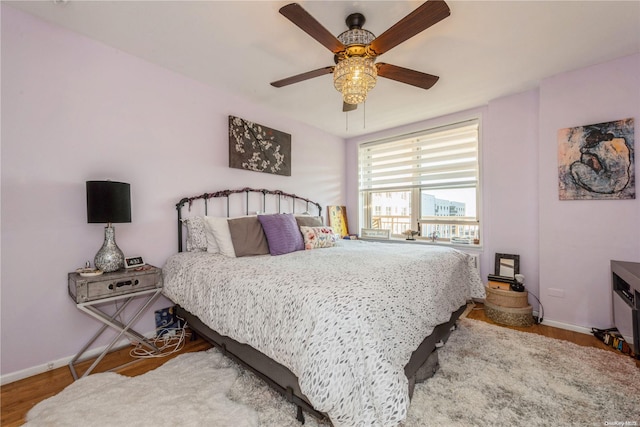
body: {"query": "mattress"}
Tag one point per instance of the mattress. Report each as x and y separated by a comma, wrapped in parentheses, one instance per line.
(344, 320)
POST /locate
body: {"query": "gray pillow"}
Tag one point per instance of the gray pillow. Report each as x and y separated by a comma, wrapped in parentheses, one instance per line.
(309, 221)
(248, 237)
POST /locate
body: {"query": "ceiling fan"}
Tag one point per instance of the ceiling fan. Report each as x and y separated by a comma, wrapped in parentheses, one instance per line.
(356, 50)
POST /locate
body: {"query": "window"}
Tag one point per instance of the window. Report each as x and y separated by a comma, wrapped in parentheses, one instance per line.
(426, 181)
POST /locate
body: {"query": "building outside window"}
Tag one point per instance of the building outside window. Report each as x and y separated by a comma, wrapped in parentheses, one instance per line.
(427, 181)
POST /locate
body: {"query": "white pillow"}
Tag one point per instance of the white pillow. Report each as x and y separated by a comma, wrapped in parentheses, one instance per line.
(218, 236)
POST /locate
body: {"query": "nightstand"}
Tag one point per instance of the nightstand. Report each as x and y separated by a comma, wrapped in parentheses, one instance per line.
(91, 292)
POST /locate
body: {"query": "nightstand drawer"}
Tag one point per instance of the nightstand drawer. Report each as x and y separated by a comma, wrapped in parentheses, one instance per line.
(85, 289)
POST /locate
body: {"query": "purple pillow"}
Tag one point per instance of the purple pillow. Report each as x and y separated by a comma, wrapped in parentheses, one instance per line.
(283, 234)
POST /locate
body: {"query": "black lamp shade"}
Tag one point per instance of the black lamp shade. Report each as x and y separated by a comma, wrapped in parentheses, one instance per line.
(108, 201)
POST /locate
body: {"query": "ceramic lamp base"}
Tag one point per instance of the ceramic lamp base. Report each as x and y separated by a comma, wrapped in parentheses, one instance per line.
(109, 258)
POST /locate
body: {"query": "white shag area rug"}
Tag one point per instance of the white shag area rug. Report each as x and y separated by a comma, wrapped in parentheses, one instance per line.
(489, 376)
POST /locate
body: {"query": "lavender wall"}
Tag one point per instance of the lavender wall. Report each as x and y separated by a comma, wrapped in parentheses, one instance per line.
(579, 238)
(565, 247)
(509, 185)
(74, 110)
(508, 182)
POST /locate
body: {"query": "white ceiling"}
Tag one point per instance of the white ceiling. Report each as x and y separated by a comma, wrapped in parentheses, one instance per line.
(484, 50)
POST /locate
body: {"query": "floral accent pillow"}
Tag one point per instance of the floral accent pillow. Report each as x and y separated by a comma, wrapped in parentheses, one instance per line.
(196, 235)
(318, 237)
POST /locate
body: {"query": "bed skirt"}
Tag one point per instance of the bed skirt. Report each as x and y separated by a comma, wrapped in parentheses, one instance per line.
(421, 365)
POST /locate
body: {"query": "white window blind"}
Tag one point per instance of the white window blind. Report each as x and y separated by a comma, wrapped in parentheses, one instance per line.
(445, 157)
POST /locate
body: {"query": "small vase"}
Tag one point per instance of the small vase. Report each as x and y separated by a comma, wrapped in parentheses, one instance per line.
(109, 257)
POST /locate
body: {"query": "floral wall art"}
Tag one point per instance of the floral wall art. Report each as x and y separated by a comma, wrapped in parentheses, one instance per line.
(597, 161)
(258, 148)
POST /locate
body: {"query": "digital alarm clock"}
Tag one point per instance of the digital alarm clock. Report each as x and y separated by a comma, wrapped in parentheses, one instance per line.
(133, 262)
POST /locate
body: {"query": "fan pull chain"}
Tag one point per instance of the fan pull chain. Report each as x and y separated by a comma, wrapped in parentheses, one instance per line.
(346, 122)
(364, 118)
(364, 115)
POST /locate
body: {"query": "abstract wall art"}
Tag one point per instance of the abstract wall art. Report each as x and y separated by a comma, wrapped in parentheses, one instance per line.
(258, 148)
(597, 161)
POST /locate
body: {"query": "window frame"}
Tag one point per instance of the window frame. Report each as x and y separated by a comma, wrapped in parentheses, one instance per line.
(365, 210)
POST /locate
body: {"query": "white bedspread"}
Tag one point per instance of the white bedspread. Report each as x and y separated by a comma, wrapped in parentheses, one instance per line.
(344, 320)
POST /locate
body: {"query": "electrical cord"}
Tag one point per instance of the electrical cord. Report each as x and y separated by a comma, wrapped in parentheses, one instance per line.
(541, 311)
(168, 341)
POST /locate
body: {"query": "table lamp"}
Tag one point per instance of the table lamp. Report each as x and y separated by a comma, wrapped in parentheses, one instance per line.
(108, 202)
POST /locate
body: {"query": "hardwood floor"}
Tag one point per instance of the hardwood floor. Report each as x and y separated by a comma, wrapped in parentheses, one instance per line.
(17, 398)
(585, 340)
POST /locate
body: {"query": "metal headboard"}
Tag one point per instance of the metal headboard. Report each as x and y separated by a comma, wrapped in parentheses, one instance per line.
(227, 193)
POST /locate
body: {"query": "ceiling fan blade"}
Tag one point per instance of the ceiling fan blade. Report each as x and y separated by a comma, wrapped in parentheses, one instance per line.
(304, 76)
(348, 107)
(405, 75)
(296, 14)
(430, 13)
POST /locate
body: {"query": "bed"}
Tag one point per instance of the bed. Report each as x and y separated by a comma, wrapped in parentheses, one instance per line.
(343, 328)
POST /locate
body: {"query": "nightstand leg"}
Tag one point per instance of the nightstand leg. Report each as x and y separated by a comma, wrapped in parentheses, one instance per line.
(110, 321)
(92, 340)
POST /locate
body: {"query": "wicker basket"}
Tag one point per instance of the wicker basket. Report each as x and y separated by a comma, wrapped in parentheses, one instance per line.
(507, 298)
(512, 316)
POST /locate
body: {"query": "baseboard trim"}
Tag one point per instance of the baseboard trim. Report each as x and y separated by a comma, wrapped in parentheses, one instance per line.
(567, 326)
(50, 366)
(554, 323)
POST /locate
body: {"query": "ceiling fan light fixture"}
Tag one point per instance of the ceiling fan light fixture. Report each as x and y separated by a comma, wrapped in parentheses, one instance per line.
(356, 50)
(357, 36)
(354, 77)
